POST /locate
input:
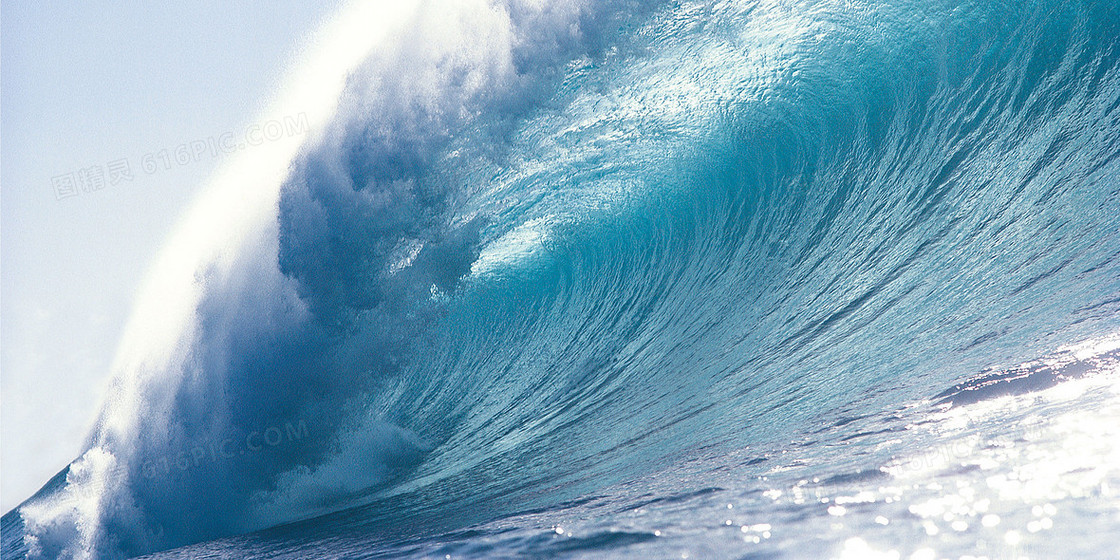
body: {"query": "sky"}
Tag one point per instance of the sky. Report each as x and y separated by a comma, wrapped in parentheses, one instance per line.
(112, 117)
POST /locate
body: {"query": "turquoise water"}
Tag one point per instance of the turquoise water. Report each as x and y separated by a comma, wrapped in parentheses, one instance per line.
(696, 279)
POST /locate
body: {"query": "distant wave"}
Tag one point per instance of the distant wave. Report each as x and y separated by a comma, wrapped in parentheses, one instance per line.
(533, 250)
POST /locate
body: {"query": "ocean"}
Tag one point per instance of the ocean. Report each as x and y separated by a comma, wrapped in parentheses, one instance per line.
(748, 279)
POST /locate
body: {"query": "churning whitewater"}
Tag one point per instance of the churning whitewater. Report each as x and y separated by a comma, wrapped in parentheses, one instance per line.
(741, 278)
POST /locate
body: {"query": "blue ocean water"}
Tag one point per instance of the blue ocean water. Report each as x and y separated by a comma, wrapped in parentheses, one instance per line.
(732, 279)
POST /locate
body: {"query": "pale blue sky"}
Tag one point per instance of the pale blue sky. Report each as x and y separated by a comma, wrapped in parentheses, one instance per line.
(83, 84)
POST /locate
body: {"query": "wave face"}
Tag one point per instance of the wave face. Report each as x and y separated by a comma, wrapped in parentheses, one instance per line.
(540, 251)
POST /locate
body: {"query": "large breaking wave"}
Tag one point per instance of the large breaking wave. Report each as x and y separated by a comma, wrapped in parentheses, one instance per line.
(532, 250)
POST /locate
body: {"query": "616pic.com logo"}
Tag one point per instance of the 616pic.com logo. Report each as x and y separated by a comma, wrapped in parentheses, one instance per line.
(225, 449)
(98, 177)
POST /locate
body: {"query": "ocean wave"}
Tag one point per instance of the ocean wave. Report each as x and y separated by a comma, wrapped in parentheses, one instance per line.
(535, 251)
